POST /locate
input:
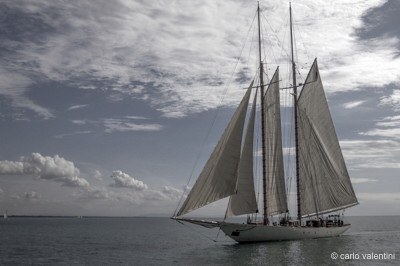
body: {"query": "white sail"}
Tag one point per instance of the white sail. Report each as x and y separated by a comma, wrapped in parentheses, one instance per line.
(219, 175)
(244, 200)
(324, 181)
(275, 185)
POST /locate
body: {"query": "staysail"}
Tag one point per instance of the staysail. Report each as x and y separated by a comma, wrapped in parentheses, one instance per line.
(244, 200)
(275, 185)
(219, 175)
(324, 181)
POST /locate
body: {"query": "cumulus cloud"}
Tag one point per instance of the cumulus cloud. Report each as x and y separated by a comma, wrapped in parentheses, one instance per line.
(172, 192)
(96, 174)
(45, 167)
(140, 197)
(122, 179)
(95, 193)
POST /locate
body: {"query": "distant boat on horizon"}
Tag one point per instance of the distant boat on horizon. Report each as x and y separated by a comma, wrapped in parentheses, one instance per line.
(323, 184)
(5, 215)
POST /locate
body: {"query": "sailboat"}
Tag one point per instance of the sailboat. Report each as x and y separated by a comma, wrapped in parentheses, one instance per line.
(323, 184)
(5, 215)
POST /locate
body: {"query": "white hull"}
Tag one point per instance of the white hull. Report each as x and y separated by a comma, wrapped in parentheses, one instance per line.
(260, 233)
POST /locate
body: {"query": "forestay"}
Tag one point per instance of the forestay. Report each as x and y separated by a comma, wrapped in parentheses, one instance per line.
(324, 181)
(275, 185)
(219, 175)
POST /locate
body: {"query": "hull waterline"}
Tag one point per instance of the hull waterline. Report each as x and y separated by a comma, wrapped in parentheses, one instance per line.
(243, 233)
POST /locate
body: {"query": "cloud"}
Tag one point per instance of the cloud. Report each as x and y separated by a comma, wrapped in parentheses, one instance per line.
(172, 192)
(96, 175)
(180, 61)
(141, 195)
(389, 132)
(390, 121)
(351, 105)
(95, 193)
(379, 196)
(355, 180)
(388, 127)
(392, 100)
(361, 154)
(74, 107)
(135, 117)
(14, 85)
(122, 179)
(122, 125)
(53, 168)
(80, 121)
(61, 136)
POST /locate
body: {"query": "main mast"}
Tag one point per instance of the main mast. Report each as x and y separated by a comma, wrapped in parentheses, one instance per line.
(262, 120)
(295, 117)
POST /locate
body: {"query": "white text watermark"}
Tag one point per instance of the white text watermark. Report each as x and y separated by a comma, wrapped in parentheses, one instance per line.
(363, 256)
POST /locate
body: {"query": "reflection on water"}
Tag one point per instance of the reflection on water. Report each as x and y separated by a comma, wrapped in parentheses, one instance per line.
(161, 241)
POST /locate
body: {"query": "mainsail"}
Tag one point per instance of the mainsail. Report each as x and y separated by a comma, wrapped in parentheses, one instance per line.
(244, 200)
(324, 181)
(219, 175)
(275, 185)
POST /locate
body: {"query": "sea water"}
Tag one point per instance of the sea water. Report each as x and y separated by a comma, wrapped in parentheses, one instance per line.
(161, 241)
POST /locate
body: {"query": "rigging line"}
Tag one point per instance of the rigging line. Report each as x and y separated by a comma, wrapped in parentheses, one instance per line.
(295, 26)
(264, 59)
(215, 116)
(263, 29)
(196, 231)
(216, 237)
(301, 39)
(284, 53)
(297, 56)
(251, 50)
(275, 35)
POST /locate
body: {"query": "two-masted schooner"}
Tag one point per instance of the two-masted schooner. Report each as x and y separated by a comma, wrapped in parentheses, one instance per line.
(322, 180)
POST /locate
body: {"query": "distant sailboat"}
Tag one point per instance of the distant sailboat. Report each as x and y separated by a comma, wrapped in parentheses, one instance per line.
(322, 181)
(5, 216)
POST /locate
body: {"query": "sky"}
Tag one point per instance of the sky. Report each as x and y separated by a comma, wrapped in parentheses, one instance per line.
(107, 107)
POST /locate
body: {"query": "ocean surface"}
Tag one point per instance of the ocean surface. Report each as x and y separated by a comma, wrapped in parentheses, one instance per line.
(161, 241)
